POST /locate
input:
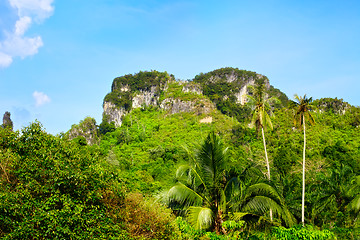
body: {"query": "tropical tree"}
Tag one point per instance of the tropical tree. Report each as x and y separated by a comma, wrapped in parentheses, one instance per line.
(250, 197)
(200, 187)
(260, 117)
(205, 190)
(330, 193)
(303, 109)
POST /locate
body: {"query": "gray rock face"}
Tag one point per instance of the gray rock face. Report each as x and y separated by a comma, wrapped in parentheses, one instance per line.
(241, 95)
(145, 98)
(7, 123)
(176, 105)
(114, 113)
(239, 81)
(190, 87)
(151, 98)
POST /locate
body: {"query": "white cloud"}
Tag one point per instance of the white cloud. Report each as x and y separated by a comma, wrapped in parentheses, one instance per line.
(40, 98)
(16, 44)
(20, 46)
(22, 25)
(39, 9)
(5, 60)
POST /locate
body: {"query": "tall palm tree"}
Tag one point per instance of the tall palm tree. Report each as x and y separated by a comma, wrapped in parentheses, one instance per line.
(206, 190)
(303, 112)
(260, 117)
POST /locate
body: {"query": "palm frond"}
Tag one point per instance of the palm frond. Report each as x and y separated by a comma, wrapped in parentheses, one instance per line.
(211, 159)
(273, 100)
(354, 205)
(182, 171)
(297, 98)
(222, 203)
(354, 191)
(263, 189)
(303, 107)
(261, 205)
(184, 195)
(200, 217)
(189, 175)
(268, 122)
(254, 119)
(251, 101)
(311, 119)
(237, 216)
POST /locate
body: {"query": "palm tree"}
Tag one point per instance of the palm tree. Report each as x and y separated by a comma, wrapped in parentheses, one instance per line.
(200, 187)
(251, 199)
(206, 190)
(303, 111)
(260, 117)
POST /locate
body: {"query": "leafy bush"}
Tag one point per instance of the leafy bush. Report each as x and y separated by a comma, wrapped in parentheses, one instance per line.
(143, 80)
(298, 233)
(54, 189)
(120, 99)
(147, 220)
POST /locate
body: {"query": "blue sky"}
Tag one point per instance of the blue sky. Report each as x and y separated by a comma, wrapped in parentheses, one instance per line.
(58, 58)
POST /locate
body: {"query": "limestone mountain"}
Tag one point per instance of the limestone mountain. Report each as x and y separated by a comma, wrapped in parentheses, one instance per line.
(224, 89)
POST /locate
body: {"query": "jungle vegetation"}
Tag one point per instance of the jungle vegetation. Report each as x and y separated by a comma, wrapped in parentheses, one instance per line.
(168, 176)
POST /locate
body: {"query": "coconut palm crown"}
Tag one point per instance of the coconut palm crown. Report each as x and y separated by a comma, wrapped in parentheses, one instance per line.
(303, 107)
(206, 190)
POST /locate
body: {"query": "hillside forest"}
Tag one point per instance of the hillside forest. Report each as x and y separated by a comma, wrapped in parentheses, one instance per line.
(194, 159)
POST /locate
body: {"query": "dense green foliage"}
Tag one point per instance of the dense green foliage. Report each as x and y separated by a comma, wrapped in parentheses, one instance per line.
(150, 144)
(149, 148)
(52, 187)
(332, 105)
(300, 233)
(175, 91)
(120, 99)
(142, 81)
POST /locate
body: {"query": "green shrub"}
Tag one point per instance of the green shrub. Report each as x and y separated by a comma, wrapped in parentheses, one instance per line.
(300, 233)
(51, 188)
(145, 219)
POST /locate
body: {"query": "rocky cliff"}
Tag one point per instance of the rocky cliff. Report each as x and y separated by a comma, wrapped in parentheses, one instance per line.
(86, 132)
(232, 84)
(7, 123)
(225, 89)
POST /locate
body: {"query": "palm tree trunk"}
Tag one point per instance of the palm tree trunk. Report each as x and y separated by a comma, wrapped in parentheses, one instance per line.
(219, 229)
(266, 156)
(267, 164)
(303, 189)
